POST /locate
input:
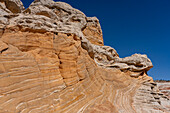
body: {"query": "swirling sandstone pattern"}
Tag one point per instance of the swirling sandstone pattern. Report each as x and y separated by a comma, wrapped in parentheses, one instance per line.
(53, 60)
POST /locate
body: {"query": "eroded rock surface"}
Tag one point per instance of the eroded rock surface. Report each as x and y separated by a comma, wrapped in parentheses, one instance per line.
(164, 87)
(53, 59)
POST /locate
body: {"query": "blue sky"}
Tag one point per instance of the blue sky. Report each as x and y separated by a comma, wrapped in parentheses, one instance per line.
(133, 26)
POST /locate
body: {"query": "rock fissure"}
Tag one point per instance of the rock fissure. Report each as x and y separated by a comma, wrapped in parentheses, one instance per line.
(3, 50)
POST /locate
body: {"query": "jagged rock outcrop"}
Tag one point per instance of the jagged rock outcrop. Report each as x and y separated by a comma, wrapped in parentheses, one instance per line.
(53, 59)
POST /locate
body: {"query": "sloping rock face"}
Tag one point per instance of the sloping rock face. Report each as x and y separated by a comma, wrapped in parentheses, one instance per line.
(164, 88)
(53, 60)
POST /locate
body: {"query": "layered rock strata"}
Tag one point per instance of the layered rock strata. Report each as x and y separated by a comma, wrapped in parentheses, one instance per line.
(164, 88)
(53, 60)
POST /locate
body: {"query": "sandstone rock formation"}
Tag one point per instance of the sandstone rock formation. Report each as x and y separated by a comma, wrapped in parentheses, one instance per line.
(164, 87)
(53, 60)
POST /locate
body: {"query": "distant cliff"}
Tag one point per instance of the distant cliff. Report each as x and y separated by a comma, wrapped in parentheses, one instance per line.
(53, 60)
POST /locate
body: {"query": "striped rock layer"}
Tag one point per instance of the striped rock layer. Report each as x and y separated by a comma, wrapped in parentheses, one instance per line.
(53, 60)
